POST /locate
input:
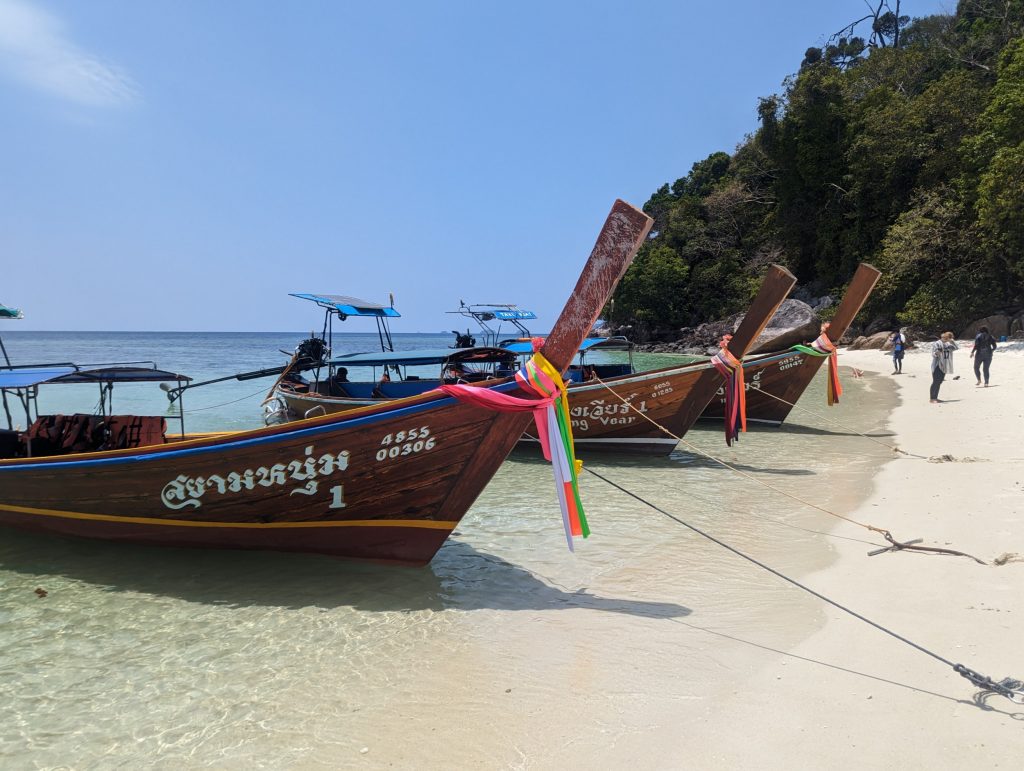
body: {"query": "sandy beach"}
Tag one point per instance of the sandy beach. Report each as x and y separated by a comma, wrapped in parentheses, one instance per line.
(852, 697)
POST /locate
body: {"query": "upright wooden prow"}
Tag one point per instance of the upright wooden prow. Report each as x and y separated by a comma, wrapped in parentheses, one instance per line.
(622, 235)
(707, 381)
(776, 286)
(777, 379)
(857, 293)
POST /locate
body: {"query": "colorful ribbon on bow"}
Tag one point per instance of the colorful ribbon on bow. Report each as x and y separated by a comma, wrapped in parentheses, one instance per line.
(731, 370)
(554, 429)
(823, 346)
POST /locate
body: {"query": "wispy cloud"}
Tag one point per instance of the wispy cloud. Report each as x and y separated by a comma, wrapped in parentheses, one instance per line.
(35, 49)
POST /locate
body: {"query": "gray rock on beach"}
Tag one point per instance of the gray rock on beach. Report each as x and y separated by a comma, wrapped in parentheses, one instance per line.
(794, 322)
(998, 325)
(877, 341)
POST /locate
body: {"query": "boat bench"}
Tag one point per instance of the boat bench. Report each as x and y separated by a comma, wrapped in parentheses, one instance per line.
(66, 434)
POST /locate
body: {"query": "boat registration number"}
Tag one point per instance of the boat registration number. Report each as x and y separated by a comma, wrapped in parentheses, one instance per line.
(408, 442)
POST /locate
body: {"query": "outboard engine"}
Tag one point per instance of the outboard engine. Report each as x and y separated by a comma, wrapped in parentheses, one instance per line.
(313, 350)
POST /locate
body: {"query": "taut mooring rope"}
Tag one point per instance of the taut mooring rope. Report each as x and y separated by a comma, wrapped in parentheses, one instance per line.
(1010, 688)
(895, 545)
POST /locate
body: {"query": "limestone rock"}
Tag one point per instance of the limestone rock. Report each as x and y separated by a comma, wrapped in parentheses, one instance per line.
(998, 325)
(794, 322)
(879, 341)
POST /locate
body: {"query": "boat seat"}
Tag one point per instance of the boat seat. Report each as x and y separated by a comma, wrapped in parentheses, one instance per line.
(67, 434)
(10, 443)
(360, 390)
(612, 370)
(398, 389)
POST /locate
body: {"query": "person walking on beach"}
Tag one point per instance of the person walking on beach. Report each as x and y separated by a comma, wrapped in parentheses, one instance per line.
(942, 362)
(899, 346)
(984, 344)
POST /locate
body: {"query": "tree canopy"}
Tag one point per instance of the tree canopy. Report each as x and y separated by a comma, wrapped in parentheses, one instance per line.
(904, 149)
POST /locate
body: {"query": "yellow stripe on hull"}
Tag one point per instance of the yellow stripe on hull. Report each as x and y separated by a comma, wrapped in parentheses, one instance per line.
(414, 523)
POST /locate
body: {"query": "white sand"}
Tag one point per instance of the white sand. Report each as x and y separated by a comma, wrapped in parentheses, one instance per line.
(862, 699)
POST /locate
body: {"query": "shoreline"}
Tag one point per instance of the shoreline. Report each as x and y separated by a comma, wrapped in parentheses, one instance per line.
(858, 694)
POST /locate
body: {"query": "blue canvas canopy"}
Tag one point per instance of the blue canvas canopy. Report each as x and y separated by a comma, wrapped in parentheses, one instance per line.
(424, 357)
(26, 377)
(348, 306)
(509, 315)
(522, 347)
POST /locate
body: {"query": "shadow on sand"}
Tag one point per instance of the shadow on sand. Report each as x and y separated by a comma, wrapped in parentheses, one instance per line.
(460, 577)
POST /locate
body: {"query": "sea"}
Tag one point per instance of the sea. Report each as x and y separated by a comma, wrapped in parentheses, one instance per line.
(507, 651)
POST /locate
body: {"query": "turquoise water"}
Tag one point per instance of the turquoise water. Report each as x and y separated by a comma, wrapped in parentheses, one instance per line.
(175, 658)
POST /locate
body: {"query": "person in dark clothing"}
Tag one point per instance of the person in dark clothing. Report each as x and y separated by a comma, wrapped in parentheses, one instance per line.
(899, 346)
(942, 362)
(984, 344)
(378, 392)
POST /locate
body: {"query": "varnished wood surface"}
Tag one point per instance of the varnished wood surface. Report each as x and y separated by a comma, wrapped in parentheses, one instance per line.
(383, 508)
(787, 375)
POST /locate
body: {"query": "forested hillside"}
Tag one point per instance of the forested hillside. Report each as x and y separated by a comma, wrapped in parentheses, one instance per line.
(900, 143)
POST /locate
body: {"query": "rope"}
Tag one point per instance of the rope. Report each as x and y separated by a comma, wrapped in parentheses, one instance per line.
(769, 520)
(895, 545)
(224, 403)
(1008, 687)
(843, 426)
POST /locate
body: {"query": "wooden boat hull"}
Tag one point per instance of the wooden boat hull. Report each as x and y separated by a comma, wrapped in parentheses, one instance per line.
(766, 377)
(386, 483)
(775, 381)
(627, 414)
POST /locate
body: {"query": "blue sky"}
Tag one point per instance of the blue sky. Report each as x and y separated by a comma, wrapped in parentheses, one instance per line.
(184, 165)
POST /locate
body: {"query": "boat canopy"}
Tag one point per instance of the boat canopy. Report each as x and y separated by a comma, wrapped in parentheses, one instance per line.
(510, 314)
(9, 313)
(348, 306)
(424, 357)
(26, 377)
(618, 343)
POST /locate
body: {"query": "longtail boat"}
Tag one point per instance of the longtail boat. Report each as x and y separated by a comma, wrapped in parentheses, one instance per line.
(776, 380)
(386, 483)
(614, 412)
(631, 413)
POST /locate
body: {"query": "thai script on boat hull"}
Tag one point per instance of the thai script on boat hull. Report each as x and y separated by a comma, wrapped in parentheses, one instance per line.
(186, 491)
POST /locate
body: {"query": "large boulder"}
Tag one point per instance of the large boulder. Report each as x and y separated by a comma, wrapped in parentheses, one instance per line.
(998, 325)
(879, 341)
(794, 322)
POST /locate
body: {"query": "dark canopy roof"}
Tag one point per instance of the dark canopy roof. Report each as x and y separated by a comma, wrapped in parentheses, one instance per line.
(25, 377)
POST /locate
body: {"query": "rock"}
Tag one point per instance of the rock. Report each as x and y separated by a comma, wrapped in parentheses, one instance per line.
(879, 325)
(794, 322)
(998, 325)
(877, 341)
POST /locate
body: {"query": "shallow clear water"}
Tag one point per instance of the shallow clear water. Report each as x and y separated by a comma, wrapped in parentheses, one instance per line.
(507, 651)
